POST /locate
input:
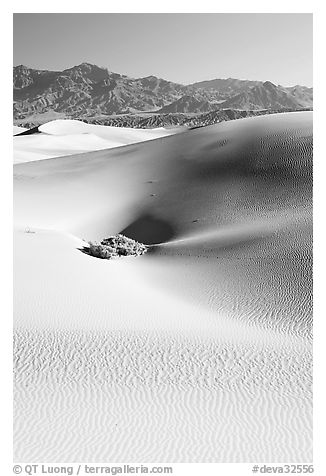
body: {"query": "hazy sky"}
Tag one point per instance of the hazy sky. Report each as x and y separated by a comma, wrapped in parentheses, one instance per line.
(180, 47)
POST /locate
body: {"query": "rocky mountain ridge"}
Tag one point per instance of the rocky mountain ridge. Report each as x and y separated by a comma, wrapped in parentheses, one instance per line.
(90, 91)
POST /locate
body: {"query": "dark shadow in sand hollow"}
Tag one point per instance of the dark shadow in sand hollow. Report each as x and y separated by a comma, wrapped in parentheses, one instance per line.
(33, 130)
(149, 230)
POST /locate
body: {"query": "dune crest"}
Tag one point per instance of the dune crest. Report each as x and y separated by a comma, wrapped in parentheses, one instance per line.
(63, 137)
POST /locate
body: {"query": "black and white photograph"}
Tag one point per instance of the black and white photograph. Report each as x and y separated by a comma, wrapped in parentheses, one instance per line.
(162, 215)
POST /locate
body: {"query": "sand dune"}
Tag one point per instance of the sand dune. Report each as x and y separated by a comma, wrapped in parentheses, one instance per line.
(18, 130)
(42, 146)
(198, 351)
(66, 137)
(124, 396)
(124, 135)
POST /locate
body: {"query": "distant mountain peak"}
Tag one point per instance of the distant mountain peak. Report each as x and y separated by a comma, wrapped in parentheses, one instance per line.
(21, 66)
(269, 84)
(86, 67)
(88, 90)
(150, 77)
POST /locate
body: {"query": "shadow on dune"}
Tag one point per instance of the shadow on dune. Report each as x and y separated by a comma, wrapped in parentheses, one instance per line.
(33, 130)
(149, 230)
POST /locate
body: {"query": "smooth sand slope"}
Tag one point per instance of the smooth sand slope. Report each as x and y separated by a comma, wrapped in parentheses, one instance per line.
(18, 130)
(199, 351)
(65, 137)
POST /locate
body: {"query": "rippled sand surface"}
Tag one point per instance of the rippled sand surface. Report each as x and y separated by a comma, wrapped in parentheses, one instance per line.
(198, 351)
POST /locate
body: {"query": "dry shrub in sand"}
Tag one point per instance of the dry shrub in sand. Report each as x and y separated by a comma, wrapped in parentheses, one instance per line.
(115, 246)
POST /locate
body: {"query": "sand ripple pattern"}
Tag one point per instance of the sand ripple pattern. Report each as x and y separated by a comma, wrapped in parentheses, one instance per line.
(199, 351)
(117, 397)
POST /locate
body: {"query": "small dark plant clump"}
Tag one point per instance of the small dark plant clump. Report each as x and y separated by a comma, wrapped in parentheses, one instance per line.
(115, 246)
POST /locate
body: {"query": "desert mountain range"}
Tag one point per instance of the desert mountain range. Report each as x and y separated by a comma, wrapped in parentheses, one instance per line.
(92, 93)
